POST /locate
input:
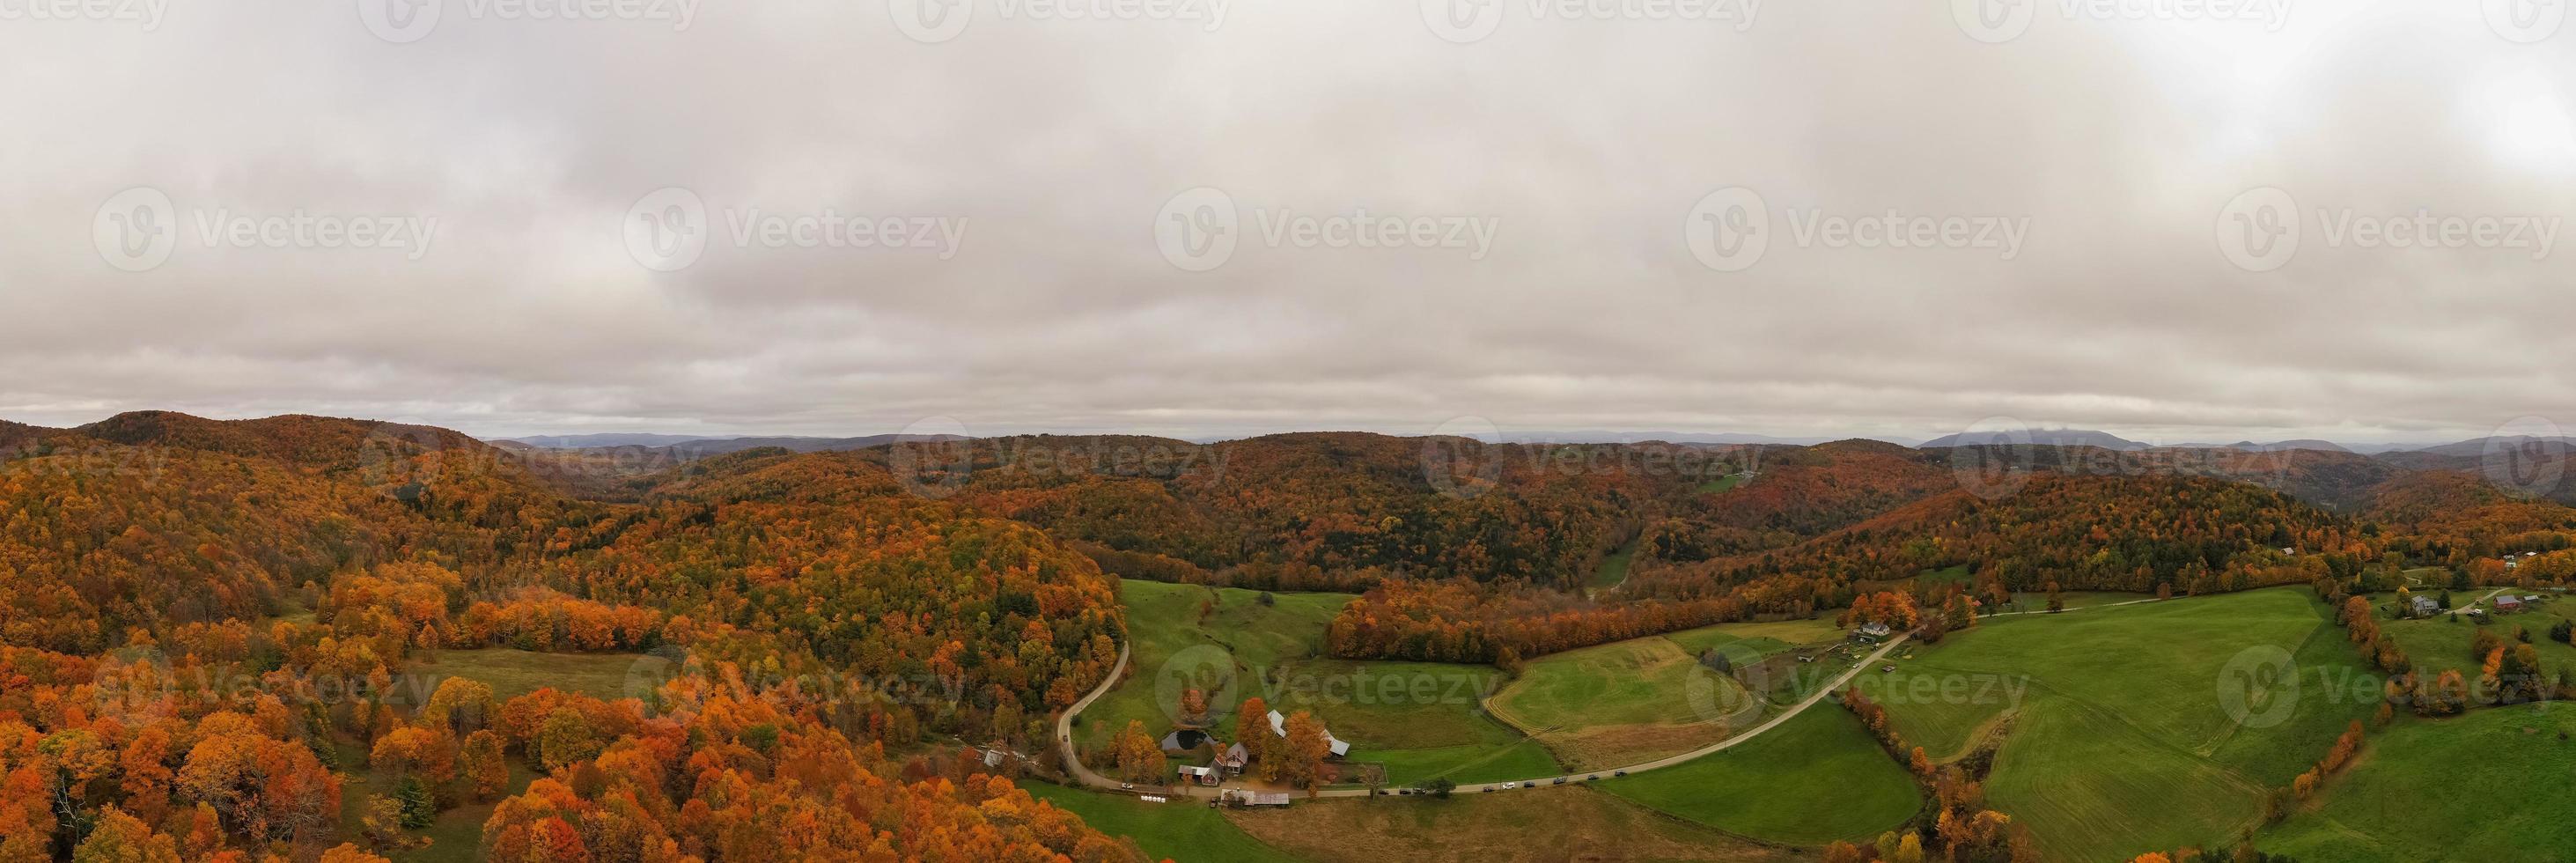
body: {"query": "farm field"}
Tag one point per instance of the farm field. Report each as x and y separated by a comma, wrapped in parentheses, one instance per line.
(1624, 703)
(1183, 829)
(2488, 785)
(2138, 687)
(1769, 788)
(1569, 823)
(1164, 620)
(1419, 719)
(512, 673)
(1721, 484)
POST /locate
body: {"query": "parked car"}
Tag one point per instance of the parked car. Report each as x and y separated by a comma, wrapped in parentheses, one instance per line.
(1592, 778)
(1617, 773)
(1126, 786)
(1489, 789)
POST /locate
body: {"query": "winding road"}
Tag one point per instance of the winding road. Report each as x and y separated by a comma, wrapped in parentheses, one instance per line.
(1073, 762)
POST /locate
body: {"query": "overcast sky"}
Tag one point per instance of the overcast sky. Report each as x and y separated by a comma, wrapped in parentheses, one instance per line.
(2149, 218)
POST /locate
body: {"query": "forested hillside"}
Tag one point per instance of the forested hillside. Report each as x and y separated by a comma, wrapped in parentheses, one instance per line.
(210, 631)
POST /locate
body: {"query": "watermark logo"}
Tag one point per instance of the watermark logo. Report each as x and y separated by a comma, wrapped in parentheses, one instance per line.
(1992, 457)
(1729, 229)
(645, 676)
(931, 22)
(2261, 230)
(2259, 687)
(135, 685)
(666, 230)
(2524, 21)
(1206, 669)
(1467, 21)
(1462, 21)
(1993, 21)
(140, 228)
(932, 457)
(147, 15)
(1463, 457)
(2529, 455)
(136, 229)
(1727, 684)
(2258, 230)
(1198, 230)
(1999, 21)
(403, 22)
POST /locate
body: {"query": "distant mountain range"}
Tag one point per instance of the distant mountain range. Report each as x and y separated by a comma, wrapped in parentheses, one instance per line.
(713, 445)
(701, 447)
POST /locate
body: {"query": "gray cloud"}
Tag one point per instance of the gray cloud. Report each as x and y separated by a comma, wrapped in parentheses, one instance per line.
(1583, 144)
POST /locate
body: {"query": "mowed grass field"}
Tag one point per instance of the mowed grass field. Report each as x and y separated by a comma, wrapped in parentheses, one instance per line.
(2493, 784)
(1420, 719)
(1569, 823)
(1816, 778)
(1184, 829)
(1226, 649)
(2118, 738)
(1624, 703)
(513, 673)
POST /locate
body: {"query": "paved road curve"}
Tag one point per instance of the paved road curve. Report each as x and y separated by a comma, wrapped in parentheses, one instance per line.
(1064, 738)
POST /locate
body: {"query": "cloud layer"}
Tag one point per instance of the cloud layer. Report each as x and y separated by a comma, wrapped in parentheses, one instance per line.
(1413, 214)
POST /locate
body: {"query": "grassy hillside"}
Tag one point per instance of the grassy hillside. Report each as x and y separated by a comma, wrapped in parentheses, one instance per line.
(2116, 738)
(1624, 703)
(2490, 785)
(1569, 823)
(1419, 719)
(1182, 829)
(1815, 779)
(1198, 626)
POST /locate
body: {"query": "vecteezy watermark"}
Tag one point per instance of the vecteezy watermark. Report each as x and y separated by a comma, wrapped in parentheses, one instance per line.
(1463, 456)
(1729, 230)
(1199, 229)
(140, 228)
(1203, 680)
(2259, 687)
(146, 15)
(1992, 457)
(1995, 21)
(2261, 230)
(668, 230)
(935, 21)
(935, 456)
(2528, 455)
(406, 21)
(1466, 21)
(1466, 456)
(2524, 21)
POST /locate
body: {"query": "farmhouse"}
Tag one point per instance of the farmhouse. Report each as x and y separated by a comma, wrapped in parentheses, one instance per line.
(1872, 632)
(1233, 759)
(2425, 606)
(1202, 775)
(1279, 727)
(2508, 604)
